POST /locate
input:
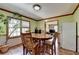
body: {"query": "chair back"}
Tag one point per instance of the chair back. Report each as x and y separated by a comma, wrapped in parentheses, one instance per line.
(26, 40)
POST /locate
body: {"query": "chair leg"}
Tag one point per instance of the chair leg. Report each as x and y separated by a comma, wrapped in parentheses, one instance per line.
(55, 49)
(26, 51)
(36, 50)
(45, 48)
(48, 48)
(23, 50)
(52, 50)
(33, 52)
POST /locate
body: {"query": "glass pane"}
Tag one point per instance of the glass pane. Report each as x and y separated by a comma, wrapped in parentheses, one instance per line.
(10, 30)
(25, 30)
(25, 24)
(51, 26)
(16, 32)
(14, 23)
(14, 27)
(56, 28)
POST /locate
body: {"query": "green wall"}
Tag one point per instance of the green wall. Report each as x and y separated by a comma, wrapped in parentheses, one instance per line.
(65, 19)
(33, 24)
(41, 24)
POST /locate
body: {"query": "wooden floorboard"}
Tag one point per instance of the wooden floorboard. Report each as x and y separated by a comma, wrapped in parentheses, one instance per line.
(17, 50)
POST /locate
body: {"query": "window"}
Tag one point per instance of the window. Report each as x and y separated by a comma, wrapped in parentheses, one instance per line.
(51, 25)
(16, 26)
(13, 27)
(25, 26)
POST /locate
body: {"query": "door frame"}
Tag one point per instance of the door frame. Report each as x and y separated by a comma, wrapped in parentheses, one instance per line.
(55, 24)
(76, 36)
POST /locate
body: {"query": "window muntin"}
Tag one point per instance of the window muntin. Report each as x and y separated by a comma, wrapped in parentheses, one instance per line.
(16, 26)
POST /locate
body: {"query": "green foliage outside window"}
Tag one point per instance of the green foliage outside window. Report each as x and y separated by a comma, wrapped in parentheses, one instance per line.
(3, 21)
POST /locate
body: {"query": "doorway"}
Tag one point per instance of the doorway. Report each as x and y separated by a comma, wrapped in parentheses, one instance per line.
(51, 25)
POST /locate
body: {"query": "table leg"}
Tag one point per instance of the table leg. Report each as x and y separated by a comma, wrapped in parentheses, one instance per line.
(41, 46)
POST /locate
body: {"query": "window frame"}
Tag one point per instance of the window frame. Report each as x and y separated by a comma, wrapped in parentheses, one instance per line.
(53, 24)
(24, 27)
(7, 31)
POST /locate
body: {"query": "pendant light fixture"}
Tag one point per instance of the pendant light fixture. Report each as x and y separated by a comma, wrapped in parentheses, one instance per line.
(36, 7)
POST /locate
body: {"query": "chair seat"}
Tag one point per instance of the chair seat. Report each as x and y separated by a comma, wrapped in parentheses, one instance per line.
(49, 41)
(31, 46)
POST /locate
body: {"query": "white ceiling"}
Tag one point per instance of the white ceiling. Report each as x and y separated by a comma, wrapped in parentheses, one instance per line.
(47, 10)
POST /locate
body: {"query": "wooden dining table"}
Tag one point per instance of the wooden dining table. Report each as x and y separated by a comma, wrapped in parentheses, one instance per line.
(41, 37)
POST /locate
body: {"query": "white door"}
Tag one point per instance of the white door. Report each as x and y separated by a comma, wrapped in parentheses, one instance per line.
(69, 36)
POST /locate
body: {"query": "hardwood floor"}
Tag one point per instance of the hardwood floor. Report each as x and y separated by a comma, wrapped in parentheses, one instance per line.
(18, 51)
(65, 52)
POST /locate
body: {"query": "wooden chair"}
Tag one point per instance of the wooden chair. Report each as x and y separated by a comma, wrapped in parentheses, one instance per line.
(52, 44)
(28, 45)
